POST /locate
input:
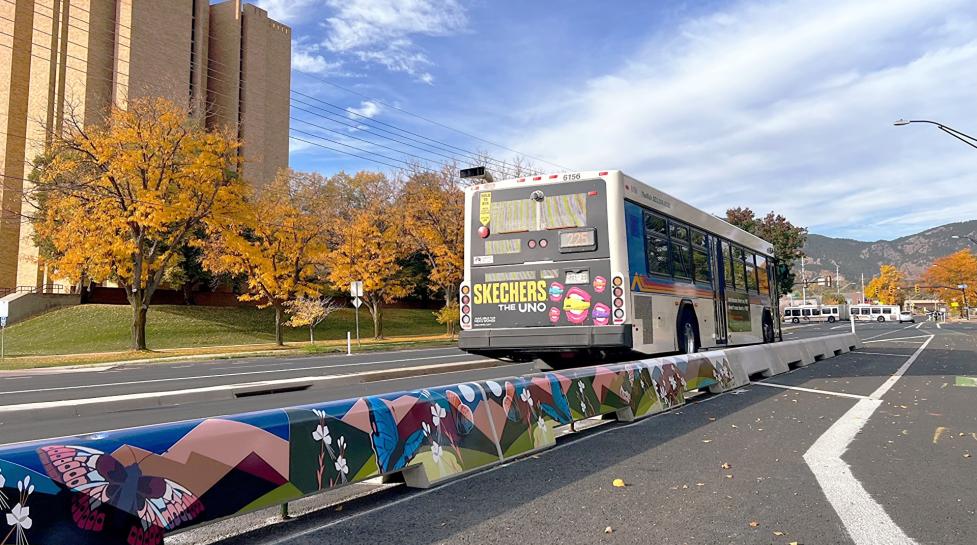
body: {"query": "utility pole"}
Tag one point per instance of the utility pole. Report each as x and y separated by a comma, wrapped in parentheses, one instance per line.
(803, 283)
(863, 288)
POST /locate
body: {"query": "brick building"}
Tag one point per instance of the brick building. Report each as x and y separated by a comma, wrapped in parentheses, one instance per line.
(75, 58)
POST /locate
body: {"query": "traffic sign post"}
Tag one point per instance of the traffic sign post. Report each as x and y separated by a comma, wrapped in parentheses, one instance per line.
(356, 291)
(4, 313)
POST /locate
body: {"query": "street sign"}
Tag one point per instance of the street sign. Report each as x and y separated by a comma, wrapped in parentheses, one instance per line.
(357, 302)
(356, 288)
(3, 321)
(4, 309)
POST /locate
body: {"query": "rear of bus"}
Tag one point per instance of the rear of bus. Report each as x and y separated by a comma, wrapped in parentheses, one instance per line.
(543, 269)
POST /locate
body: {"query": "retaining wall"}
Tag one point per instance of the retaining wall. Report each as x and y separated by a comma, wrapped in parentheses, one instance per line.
(136, 485)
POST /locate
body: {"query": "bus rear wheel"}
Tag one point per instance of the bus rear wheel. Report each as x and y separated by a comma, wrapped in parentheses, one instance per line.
(881, 318)
(795, 320)
(831, 319)
(768, 335)
(688, 341)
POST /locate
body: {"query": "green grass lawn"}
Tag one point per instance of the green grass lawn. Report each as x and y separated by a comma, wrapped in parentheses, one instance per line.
(105, 328)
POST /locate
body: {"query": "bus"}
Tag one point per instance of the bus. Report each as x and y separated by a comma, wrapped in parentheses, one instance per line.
(875, 313)
(815, 313)
(588, 266)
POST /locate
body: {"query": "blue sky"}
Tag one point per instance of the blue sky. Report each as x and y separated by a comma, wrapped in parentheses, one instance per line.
(784, 106)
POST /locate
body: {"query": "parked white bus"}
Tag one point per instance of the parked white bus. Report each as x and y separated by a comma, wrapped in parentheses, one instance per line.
(588, 264)
(877, 313)
(815, 313)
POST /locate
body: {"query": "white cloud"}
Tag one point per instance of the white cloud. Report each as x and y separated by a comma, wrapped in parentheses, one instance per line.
(790, 107)
(368, 109)
(382, 31)
(286, 11)
(306, 58)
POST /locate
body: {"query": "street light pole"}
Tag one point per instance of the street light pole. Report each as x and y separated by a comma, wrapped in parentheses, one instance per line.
(963, 137)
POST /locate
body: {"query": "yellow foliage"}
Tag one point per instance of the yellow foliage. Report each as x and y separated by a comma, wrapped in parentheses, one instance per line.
(277, 240)
(951, 271)
(118, 201)
(432, 215)
(366, 242)
(886, 287)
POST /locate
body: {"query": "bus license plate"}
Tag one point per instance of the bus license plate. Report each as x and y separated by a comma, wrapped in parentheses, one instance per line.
(580, 277)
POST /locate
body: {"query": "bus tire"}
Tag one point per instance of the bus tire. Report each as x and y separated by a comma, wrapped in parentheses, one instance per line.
(881, 318)
(795, 320)
(831, 319)
(767, 328)
(688, 332)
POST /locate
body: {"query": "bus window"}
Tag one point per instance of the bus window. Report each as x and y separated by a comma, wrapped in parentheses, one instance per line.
(700, 257)
(634, 222)
(805, 312)
(564, 211)
(750, 273)
(762, 278)
(656, 244)
(739, 268)
(815, 312)
(728, 264)
(886, 310)
(876, 310)
(681, 253)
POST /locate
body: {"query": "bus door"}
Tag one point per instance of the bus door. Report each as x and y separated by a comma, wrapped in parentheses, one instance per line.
(719, 279)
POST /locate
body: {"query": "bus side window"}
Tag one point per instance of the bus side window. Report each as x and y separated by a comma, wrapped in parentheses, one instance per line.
(634, 221)
(750, 272)
(739, 268)
(728, 264)
(681, 252)
(700, 257)
(656, 244)
(763, 280)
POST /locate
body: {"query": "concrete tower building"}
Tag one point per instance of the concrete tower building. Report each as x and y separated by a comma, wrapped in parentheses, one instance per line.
(64, 59)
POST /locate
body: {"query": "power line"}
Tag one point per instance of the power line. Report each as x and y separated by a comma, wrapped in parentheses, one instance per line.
(433, 122)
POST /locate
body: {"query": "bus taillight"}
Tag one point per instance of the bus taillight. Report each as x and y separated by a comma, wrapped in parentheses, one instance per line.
(466, 309)
(619, 313)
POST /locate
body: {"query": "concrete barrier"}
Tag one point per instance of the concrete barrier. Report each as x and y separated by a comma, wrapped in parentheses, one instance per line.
(136, 485)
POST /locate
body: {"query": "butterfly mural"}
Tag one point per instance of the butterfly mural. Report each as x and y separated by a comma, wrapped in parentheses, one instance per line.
(392, 453)
(100, 479)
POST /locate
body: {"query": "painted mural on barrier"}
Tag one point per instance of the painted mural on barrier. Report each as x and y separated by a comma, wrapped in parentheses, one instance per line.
(134, 486)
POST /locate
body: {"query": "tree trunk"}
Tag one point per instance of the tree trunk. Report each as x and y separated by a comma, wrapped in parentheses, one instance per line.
(139, 326)
(279, 328)
(377, 312)
(311, 334)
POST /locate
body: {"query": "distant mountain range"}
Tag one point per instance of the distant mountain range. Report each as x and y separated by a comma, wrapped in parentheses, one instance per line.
(912, 254)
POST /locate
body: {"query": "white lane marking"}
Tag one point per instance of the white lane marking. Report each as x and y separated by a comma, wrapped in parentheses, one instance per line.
(453, 482)
(898, 339)
(22, 407)
(809, 390)
(243, 373)
(866, 521)
(881, 334)
(839, 326)
(920, 325)
(879, 354)
(938, 326)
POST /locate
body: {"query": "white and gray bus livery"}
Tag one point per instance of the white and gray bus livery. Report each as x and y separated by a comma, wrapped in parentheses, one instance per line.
(569, 266)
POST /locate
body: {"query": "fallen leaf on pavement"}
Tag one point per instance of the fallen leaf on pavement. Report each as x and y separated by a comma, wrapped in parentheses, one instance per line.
(729, 476)
(754, 524)
(967, 455)
(608, 530)
(619, 483)
(725, 465)
(778, 533)
(707, 440)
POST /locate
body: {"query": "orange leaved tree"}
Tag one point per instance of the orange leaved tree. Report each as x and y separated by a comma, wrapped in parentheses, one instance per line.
(949, 272)
(887, 286)
(277, 240)
(118, 201)
(432, 216)
(366, 242)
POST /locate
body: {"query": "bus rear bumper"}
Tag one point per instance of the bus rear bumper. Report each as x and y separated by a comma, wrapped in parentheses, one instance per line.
(546, 339)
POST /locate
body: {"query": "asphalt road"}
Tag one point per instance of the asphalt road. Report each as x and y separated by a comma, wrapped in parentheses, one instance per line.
(868, 447)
